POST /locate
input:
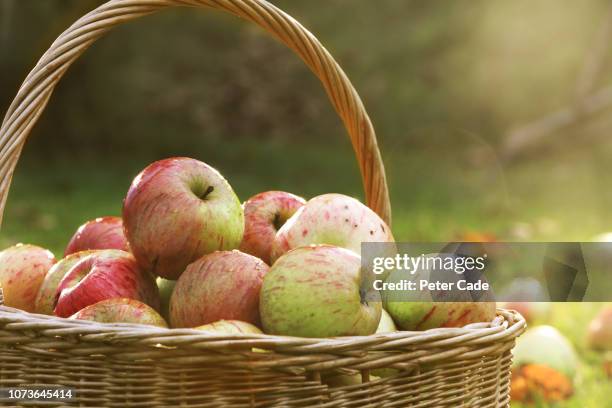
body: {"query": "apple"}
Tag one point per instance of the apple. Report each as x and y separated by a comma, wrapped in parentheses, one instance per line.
(544, 366)
(233, 327)
(177, 210)
(221, 285)
(230, 327)
(336, 380)
(316, 291)
(101, 233)
(121, 310)
(432, 315)
(545, 345)
(599, 335)
(22, 271)
(104, 275)
(165, 286)
(46, 297)
(386, 324)
(333, 219)
(418, 310)
(264, 214)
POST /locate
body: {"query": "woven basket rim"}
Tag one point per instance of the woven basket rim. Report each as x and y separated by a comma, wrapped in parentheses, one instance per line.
(506, 325)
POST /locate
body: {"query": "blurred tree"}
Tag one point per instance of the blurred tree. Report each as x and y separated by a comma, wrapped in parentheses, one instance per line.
(427, 71)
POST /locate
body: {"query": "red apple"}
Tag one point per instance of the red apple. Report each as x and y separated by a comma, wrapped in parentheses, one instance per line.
(333, 219)
(45, 300)
(177, 210)
(22, 271)
(599, 336)
(101, 233)
(264, 214)
(221, 285)
(121, 310)
(104, 275)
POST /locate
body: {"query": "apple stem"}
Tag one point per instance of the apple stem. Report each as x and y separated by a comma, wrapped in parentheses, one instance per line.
(362, 295)
(278, 222)
(209, 190)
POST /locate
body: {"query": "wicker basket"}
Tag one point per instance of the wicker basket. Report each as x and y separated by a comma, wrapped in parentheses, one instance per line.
(120, 365)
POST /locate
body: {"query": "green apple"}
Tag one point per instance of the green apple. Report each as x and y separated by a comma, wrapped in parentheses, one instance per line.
(416, 310)
(545, 345)
(316, 291)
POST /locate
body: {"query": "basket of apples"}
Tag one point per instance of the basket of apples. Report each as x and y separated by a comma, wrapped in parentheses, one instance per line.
(193, 299)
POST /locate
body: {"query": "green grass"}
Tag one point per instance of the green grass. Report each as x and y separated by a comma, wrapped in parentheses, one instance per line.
(436, 195)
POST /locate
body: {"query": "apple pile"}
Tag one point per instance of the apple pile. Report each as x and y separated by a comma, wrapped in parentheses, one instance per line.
(187, 253)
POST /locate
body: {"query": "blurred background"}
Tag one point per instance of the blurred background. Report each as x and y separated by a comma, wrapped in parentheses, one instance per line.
(494, 118)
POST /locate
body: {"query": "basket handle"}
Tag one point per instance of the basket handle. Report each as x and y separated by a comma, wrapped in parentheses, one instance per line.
(37, 88)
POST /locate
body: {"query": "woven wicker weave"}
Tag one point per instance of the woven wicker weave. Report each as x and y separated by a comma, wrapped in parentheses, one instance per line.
(119, 365)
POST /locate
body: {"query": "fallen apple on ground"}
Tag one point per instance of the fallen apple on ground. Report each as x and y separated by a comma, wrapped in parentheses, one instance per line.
(121, 310)
(333, 219)
(22, 272)
(47, 294)
(264, 214)
(221, 285)
(177, 210)
(101, 233)
(599, 335)
(544, 366)
(104, 275)
(315, 291)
